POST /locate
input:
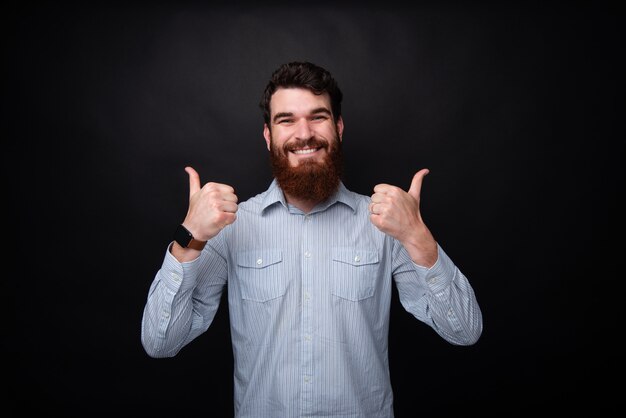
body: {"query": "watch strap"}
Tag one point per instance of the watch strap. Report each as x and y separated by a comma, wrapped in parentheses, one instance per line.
(196, 244)
(185, 239)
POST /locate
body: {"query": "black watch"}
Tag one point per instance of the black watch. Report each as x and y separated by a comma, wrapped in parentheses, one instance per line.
(185, 239)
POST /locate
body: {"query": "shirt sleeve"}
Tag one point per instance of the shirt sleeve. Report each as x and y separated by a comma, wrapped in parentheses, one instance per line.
(440, 296)
(182, 300)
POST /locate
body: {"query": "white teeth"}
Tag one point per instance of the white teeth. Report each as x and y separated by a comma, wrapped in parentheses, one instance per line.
(304, 151)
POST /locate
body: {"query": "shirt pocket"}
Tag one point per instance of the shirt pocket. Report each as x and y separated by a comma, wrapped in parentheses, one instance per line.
(261, 276)
(354, 272)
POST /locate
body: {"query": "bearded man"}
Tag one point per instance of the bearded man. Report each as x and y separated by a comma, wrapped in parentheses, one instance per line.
(309, 267)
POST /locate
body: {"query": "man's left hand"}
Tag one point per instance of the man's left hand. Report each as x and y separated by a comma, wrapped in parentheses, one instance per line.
(397, 213)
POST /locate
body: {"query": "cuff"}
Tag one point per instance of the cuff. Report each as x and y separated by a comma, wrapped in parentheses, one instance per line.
(177, 276)
(440, 275)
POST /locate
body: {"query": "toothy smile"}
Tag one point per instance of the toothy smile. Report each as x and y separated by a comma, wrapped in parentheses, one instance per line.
(304, 151)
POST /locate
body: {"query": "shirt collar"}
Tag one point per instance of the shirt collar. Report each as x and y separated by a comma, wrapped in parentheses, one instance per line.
(275, 195)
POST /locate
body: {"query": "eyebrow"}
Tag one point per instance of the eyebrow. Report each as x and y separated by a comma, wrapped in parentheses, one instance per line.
(315, 111)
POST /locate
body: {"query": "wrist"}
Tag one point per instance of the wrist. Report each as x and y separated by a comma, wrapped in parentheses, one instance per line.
(185, 239)
(422, 249)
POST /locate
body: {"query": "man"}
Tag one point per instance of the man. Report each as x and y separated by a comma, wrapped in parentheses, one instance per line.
(309, 267)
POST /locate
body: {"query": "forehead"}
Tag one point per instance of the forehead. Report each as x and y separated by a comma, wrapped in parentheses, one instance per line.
(297, 101)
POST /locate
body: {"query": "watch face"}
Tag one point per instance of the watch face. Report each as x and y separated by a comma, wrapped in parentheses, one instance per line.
(182, 236)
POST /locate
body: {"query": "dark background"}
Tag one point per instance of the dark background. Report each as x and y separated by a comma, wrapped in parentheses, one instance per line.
(516, 108)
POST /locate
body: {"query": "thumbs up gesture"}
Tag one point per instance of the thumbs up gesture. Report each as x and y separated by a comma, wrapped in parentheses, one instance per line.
(211, 207)
(397, 213)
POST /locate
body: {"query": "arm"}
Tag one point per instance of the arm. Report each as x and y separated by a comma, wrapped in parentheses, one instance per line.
(182, 301)
(430, 286)
(186, 291)
(440, 296)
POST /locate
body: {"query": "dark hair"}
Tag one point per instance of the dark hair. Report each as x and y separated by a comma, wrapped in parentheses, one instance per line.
(305, 75)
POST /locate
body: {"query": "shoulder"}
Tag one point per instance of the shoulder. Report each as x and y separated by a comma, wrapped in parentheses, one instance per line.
(358, 201)
(256, 204)
(253, 204)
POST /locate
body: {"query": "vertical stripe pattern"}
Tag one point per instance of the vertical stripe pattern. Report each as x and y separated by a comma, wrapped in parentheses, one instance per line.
(309, 298)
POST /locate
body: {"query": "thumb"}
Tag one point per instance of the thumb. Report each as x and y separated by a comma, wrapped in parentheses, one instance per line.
(416, 183)
(194, 181)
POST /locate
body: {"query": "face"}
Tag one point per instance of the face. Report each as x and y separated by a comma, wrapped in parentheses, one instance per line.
(299, 118)
(304, 142)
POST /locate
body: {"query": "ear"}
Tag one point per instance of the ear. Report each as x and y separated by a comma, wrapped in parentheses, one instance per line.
(340, 127)
(267, 135)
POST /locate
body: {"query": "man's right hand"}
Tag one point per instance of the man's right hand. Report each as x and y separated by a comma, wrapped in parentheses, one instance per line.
(211, 207)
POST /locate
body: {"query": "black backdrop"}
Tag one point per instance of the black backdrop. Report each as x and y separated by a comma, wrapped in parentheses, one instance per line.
(516, 109)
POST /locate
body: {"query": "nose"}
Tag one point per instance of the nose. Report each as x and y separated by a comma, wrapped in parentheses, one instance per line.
(304, 131)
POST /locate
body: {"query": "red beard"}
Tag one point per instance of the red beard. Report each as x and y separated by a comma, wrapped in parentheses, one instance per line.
(310, 180)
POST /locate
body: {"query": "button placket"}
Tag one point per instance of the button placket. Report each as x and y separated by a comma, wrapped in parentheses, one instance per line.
(308, 272)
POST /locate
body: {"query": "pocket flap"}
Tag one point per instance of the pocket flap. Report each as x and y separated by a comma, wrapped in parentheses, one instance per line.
(258, 259)
(355, 256)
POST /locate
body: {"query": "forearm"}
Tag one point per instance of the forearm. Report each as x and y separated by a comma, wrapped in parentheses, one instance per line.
(180, 306)
(454, 310)
(421, 246)
(443, 298)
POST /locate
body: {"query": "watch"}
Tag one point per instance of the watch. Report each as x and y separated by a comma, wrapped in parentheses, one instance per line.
(186, 240)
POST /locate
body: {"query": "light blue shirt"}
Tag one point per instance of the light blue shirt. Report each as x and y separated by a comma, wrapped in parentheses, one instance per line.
(309, 298)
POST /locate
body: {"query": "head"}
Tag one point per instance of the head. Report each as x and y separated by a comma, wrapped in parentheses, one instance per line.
(303, 130)
(302, 75)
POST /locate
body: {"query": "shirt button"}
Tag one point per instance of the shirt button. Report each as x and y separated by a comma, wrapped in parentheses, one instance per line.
(259, 261)
(307, 337)
(307, 254)
(450, 313)
(307, 295)
(176, 277)
(166, 314)
(307, 379)
(432, 280)
(357, 259)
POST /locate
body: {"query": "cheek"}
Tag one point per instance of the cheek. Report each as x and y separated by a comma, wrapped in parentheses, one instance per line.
(331, 133)
(279, 138)
(276, 148)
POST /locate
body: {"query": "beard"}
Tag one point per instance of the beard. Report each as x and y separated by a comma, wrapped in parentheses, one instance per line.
(311, 180)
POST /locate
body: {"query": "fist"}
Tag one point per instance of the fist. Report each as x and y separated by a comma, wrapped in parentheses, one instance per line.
(396, 212)
(211, 207)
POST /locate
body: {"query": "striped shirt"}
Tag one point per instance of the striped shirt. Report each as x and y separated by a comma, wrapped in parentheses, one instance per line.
(309, 300)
